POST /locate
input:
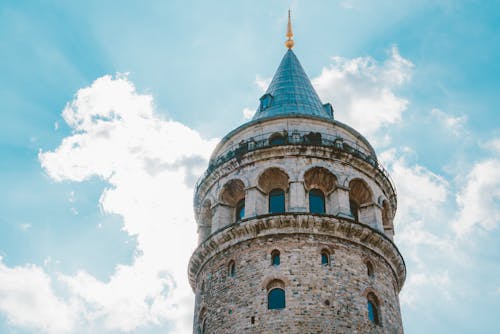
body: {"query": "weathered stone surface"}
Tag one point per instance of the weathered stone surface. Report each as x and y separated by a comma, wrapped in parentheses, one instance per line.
(319, 298)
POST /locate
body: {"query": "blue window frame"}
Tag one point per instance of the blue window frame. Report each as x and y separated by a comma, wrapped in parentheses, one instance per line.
(265, 101)
(275, 257)
(240, 210)
(325, 258)
(276, 201)
(372, 312)
(276, 299)
(316, 201)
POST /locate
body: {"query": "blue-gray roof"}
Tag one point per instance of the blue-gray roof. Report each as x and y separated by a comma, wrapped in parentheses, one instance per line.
(291, 93)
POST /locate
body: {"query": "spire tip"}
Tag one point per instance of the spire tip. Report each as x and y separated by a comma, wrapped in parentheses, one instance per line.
(289, 33)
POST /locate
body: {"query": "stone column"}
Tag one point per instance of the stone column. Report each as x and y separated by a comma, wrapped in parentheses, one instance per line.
(371, 214)
(339, 202)
(297, 197)
(223, 215)
(253, 202)
(203, 233)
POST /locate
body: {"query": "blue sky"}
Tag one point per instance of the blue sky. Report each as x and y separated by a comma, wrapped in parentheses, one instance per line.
(86, 236)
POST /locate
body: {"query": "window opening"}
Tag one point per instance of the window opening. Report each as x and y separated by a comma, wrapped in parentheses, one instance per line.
(325, 258)
(369, 269)
(276, 201)
(231, 269)
(373, 312)
(265, 101)
(276, 299)
(275, 257)
(354, 209)
(277, 139)
(316, 201)
(240, 210)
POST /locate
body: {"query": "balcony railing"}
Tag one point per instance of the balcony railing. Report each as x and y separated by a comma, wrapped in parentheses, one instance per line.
(301, 138)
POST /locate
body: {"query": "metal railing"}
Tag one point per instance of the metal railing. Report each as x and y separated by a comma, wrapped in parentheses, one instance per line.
(302, 138)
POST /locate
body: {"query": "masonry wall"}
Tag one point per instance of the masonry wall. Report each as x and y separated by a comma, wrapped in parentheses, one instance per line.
(319, 298)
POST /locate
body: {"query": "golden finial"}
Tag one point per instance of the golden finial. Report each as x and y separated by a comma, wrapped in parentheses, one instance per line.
(289, 42)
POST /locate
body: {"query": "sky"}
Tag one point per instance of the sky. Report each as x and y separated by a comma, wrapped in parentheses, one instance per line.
(110, 111)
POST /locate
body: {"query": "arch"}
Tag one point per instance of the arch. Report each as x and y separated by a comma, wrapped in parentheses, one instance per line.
(231, 269)
(359, 194)
(276, 295)
(360, 191)
(232, 192)
(275, 257)
(316, 201)
(278, 138)
(325, 257)
(273, 178)
(277, 201)
(320, 178)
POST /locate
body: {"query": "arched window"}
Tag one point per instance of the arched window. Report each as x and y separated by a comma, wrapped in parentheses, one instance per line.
(276, 201)
(354, 209)
(316, 201)
(276, 299)
(360, 195)
(275, 257)
(231, 269)
(277, 139)
(240, 210)
(325, 257)
(369, 269)
(373, 311)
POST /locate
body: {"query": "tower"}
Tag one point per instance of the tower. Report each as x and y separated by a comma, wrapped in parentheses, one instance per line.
(295, 223)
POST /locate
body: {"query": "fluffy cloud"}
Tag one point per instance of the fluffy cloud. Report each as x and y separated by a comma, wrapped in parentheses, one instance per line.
(364, 90)
(27, 299)
(421, 223)
(248, 113)
(150, 165)
(479, 199)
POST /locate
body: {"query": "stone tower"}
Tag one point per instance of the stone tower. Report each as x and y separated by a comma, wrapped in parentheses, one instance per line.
(295, 222)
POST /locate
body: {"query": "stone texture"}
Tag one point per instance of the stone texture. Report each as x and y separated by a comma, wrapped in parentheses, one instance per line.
(319, 298)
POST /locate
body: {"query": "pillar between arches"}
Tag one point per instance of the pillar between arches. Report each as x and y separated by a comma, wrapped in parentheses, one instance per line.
(297, 197)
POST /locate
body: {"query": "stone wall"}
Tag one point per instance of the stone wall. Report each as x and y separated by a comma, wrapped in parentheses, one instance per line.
(319, 298)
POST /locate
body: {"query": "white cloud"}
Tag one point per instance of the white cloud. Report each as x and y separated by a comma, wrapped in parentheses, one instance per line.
(455, 124)
(421, 225)
(493, 145)
(417, 187)
(25, 226)
(248, 113)
(150, 165)
(364, 91)
(28, 300)
(262, 83)
(479, 199)
(417, 283)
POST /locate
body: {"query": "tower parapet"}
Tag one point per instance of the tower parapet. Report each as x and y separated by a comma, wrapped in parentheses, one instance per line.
(295, 223)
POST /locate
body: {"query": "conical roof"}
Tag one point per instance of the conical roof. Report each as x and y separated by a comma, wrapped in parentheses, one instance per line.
(291, 93)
